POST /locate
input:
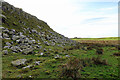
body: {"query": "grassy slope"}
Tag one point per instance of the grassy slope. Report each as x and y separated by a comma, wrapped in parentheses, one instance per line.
(50, 67)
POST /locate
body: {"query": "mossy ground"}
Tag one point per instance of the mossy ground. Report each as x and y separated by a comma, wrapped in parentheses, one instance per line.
(50, 67)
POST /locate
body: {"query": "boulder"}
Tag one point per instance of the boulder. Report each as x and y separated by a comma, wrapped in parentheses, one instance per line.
(19, 62)
(29, 66)
(28, 51)
(67, 56)
(14, 37)
(57, 56)
(41, 54)
(11, 32)
(39, 27)
(5, 35)
(34, 31)
(37, 62)
(5, 52)
(46, 43)
(6, 31)
(6, 47)
(8, 44)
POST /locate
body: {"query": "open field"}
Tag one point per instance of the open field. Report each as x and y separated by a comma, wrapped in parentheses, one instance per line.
(106, 38)
(103, 41)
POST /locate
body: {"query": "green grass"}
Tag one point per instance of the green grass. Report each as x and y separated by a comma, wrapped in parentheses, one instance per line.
(49, 68)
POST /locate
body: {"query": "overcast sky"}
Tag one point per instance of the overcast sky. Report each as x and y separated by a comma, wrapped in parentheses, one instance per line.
(75, 18)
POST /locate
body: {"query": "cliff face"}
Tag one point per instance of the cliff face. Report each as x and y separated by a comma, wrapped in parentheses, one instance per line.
(22, 32)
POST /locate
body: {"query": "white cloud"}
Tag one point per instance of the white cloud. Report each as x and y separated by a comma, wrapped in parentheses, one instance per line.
(68, 18)
(109, 8)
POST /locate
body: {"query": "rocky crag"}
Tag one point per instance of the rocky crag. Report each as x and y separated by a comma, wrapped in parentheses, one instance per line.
(25, 33)
(30, 48)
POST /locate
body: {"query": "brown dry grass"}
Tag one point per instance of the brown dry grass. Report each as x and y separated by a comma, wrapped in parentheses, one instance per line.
(106, 42)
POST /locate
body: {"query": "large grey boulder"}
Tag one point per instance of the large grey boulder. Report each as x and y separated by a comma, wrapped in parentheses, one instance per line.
(19, 62)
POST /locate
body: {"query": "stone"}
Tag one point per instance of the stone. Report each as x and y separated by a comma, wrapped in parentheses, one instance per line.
(39, 27)
(45, 50)
(37, 62)
(18, 41)
(24, 46)
(37, 46)
(41, 54)
(6, 31)
(46, 43)
(6, 47)
(5, 35)
(14, 37)
(20, 33)
(5, 52)
(19, 62)
(2, 28)
(7, 38)
(26, 40)
(57, 56)
(8, 44)
(34, 31)
(28, 51)
(67, 56)
(15, 49)
(22, 36)
(12, 32)
(29, 66)
(1, 37)
(33, 41)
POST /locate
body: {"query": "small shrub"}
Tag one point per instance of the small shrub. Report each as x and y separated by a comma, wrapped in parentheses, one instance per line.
(99, 51)
(89, 48)
(116, 54)
(71, 69)
(24, 70)
(99, 61)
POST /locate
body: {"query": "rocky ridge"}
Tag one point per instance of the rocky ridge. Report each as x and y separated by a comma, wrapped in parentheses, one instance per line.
(22, 32)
